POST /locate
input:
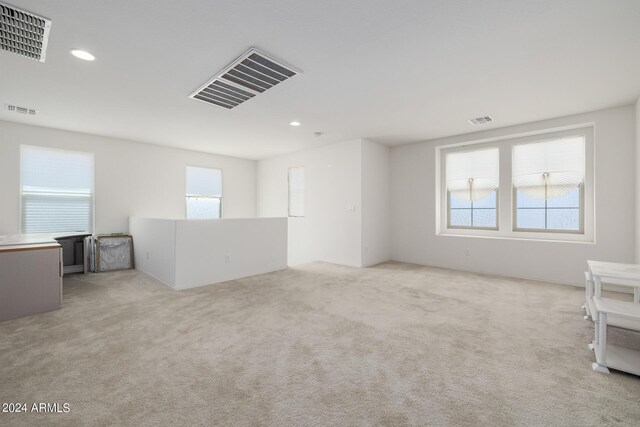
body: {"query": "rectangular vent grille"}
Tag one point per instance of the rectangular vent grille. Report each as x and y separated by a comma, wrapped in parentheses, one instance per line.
(23, 33)
(480, 120)
(249, 75)
(21, 110)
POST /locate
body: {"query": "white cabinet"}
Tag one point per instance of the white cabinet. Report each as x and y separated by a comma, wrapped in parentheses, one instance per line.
(30, 279)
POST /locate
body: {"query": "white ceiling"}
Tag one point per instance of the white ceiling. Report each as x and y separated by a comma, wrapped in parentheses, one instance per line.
(392, 71)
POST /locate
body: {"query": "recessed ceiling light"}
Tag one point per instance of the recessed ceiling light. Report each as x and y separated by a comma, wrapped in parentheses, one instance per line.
(295, 123)
(81, 54)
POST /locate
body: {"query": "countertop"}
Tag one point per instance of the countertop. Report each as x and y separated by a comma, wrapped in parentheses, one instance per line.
(32, 239)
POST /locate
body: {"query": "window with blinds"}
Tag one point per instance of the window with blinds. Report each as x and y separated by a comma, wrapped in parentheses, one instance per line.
(472, 179)
(56, 190)
(548, 179)
(296, 192)
(203, 193)
(538, 186)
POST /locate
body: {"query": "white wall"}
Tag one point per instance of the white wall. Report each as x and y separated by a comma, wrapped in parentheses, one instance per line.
(375, 203)
(637, 258)
(154, 247)
(130, 178)
(329, 231)
(215, 251)
(188, 253)
(413, 215)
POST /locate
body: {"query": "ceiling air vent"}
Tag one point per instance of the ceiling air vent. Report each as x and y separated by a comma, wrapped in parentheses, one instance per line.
(21, 110)
(23, 33)
(480, 120)
(249, 75)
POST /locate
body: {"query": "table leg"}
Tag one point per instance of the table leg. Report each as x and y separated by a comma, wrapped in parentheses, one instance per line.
(601, 352)
(602, 336)
(598, 290)
(588, 290)
(594, 343)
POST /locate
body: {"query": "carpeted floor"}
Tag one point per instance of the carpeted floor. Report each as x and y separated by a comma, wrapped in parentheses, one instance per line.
(318, 345)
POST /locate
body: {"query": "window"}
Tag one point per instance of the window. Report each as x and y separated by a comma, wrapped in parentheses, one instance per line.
(548, 179)
(472, 187)
(296, 191)
(56, 190)
(537, 186)
(204, 193)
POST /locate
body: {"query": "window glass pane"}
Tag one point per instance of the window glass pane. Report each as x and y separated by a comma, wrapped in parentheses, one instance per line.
(526, 202)
(455, 202)
(203, 208)
(570, 200)
(460, 217)
(562, 213)
(563, 219)
(57, 190)
(487, 202)
(483, 212)
(204, 193)
(530, 218)
(484, 218)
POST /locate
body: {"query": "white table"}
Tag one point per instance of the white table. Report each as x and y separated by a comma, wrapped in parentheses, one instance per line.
(615, 273)
(604, 312)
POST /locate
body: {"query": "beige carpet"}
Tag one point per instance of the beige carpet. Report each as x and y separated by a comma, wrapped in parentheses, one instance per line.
(319, 345)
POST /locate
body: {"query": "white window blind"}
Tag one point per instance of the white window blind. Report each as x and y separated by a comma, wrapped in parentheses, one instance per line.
(296, 191)
(204, 193)
(472, 175)
(57, 190)
(550, 169)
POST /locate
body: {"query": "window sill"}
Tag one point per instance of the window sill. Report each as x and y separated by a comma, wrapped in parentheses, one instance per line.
(582, 241)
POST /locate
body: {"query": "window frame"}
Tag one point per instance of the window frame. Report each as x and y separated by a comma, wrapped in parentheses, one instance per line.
(289, 215)
(506, 203)
(220, 198)
(21, 223)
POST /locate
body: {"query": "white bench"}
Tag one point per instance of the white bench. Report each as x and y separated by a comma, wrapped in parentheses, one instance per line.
(611, 356)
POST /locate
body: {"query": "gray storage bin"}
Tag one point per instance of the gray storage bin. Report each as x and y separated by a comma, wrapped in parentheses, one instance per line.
(114, 253)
